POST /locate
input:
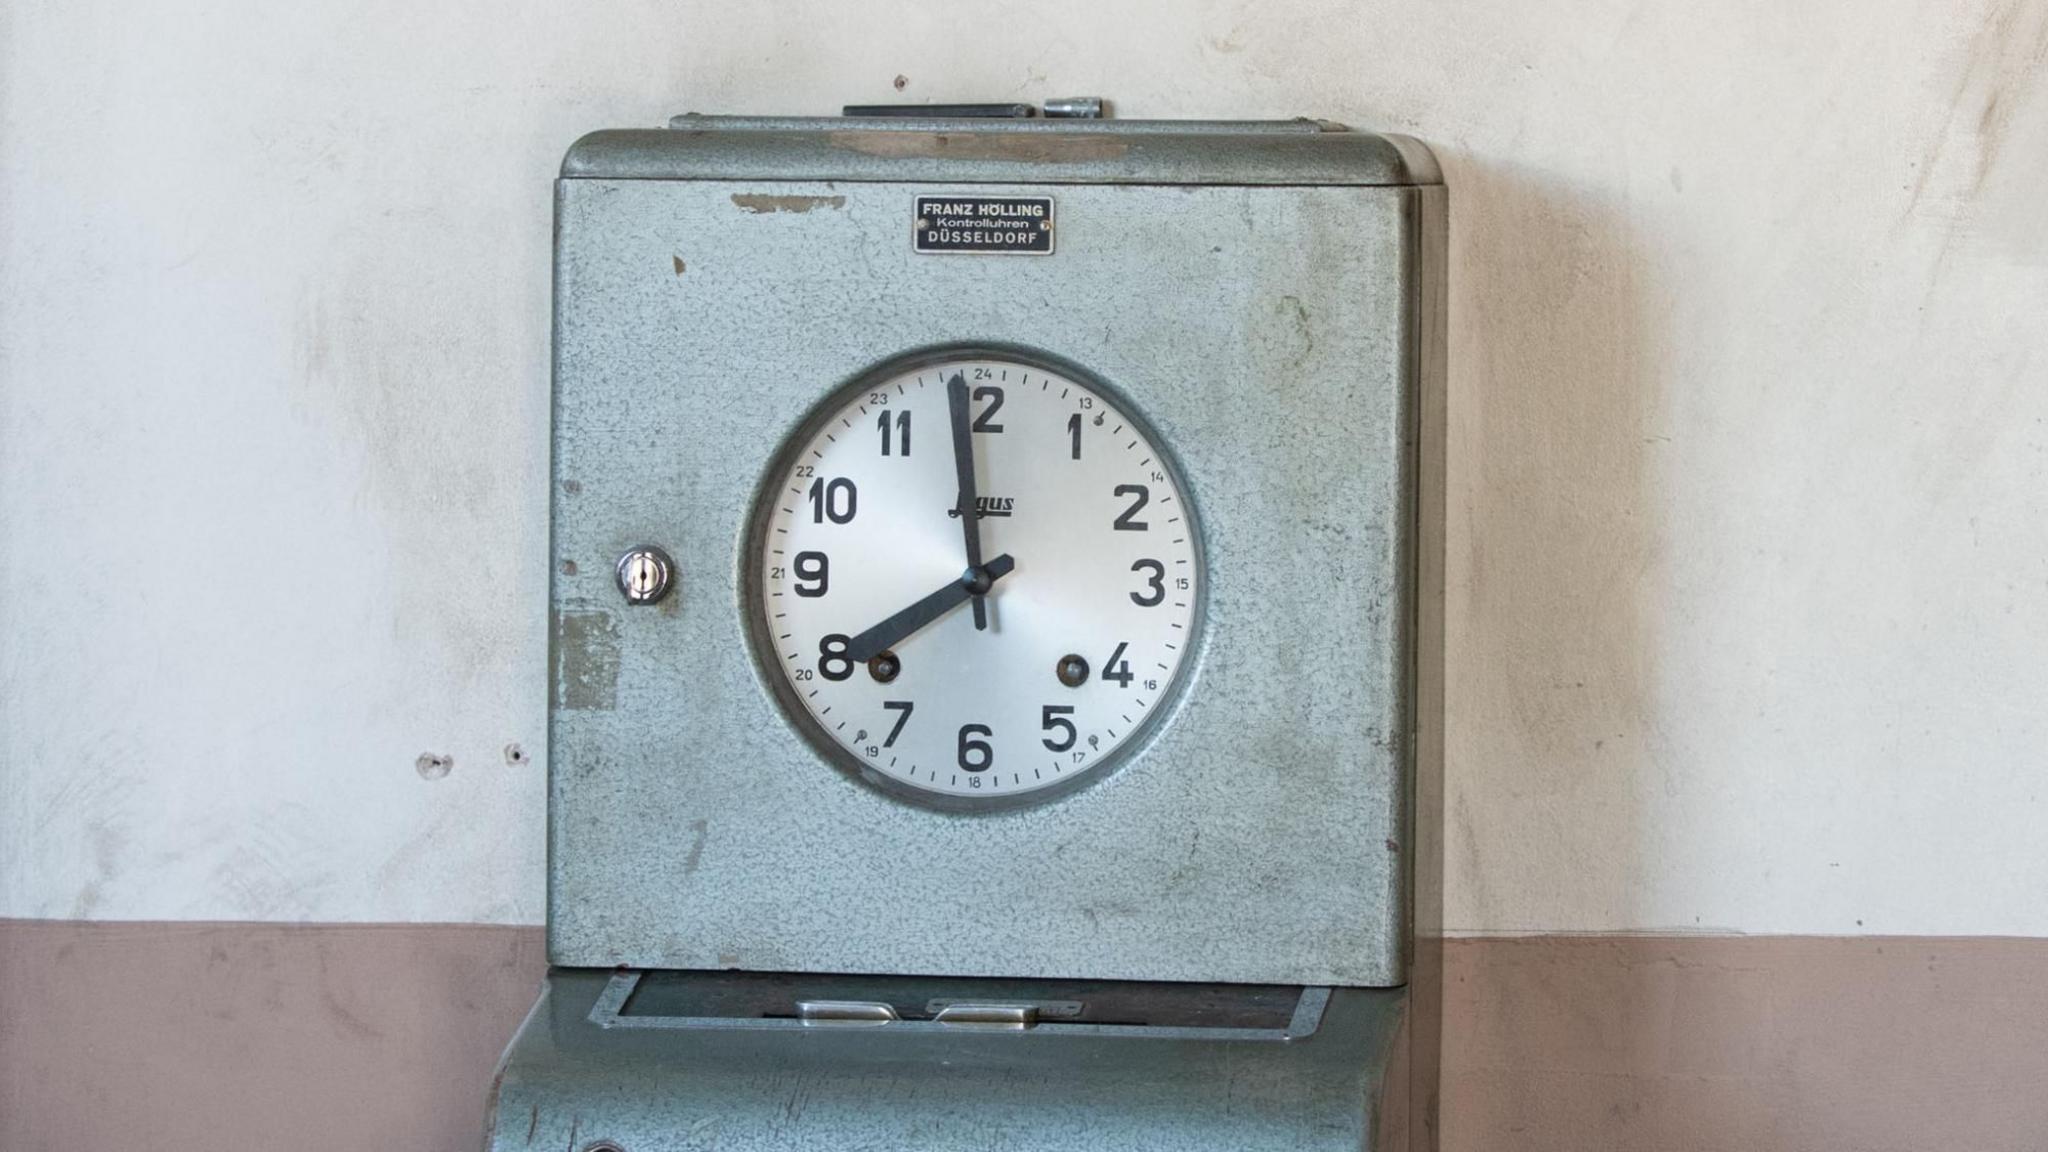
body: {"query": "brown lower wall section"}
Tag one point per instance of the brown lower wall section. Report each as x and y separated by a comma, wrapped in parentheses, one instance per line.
(255, 1037)
(190, 1037)
(1855, 1044)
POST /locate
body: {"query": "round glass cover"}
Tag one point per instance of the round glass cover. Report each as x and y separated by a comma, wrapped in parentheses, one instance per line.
(977, 578)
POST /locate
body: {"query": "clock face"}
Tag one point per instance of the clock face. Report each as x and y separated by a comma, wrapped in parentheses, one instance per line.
(994, 657)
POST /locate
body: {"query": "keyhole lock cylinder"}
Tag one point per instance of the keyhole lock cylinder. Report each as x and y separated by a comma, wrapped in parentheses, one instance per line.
(645, 574)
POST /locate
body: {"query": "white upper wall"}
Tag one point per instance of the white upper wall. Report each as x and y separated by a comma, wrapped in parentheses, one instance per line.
(1749, 472)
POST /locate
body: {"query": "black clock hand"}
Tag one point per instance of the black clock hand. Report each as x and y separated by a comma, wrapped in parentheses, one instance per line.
(972, 585)
(963, 469)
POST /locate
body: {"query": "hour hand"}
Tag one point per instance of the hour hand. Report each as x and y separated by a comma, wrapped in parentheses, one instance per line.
(972, 584)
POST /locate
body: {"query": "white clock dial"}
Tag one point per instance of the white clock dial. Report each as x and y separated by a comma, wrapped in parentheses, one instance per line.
(1088, 579)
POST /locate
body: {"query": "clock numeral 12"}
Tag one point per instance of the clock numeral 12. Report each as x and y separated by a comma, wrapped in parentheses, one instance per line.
(994, 396)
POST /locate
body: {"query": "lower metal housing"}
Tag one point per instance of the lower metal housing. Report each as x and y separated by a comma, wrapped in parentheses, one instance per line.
(588, 1074)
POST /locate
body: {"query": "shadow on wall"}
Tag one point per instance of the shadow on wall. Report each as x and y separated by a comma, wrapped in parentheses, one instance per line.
(1553, 548)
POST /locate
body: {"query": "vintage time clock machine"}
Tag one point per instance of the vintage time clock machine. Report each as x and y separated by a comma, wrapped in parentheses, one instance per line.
(994, 608)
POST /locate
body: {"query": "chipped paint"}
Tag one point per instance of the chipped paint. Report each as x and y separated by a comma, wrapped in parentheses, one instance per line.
(761, 204)
(586, 665)
(700, 830)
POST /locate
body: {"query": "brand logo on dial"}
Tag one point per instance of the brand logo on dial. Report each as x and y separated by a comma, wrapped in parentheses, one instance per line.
(987, 506)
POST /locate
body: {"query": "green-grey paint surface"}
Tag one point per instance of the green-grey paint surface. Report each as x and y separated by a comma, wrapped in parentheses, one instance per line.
(1270, 334)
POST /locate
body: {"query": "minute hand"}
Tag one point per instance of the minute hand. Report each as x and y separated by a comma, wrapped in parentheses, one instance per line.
(963, 470)
(897, 628)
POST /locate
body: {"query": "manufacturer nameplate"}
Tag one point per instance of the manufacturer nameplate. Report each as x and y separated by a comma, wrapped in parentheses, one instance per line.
(998, 225)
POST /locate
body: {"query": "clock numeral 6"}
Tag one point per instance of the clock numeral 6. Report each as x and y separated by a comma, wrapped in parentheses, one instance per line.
(1055, 716)
(834, 501)
(814, 574)
(975, 755)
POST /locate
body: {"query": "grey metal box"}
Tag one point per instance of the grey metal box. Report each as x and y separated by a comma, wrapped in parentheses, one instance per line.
(1269, 295)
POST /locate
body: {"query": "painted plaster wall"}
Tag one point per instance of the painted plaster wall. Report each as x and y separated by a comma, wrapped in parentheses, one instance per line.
(1749, 447)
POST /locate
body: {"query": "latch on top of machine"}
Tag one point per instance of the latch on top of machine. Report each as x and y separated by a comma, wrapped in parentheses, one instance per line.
(989, 225)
